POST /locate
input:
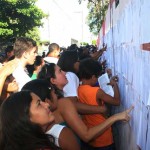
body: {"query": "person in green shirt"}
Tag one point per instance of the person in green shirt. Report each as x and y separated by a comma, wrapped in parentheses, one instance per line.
(39, 62)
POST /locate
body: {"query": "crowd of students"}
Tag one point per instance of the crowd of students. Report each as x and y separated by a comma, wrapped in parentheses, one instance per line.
(54, 102)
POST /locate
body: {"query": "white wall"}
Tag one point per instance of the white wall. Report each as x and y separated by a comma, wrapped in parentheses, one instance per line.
(126, 28)
(67, 20)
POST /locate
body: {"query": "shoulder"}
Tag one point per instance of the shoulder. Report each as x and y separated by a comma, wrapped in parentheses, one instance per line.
(68, 140)
(19, 72)
(46, 59)
(65, 105)
(72, 78)
(71, 75)
(51, 59)
(88, 87)
(18, 69)
(65, 101)
(56, 131)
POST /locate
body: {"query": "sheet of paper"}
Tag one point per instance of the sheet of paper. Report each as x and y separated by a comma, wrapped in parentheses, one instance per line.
(103, 80)
(148, 101)
(148, 133)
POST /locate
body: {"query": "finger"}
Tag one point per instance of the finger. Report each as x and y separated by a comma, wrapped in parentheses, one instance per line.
(115, 77)
(130, 109)
(128, 118)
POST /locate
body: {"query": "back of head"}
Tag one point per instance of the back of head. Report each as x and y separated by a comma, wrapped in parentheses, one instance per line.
(47, 71)
(52, 47)
(67, 60)
(73, 47)
(40, 87)
(23, 44)
(89, 67)
(38, 61)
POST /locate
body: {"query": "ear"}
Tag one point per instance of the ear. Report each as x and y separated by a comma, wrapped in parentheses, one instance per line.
(48, 101)
(52, 80)
(25, 55)
(93, 77)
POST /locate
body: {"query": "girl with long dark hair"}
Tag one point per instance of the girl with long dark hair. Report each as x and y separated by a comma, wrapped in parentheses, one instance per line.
(26, 122)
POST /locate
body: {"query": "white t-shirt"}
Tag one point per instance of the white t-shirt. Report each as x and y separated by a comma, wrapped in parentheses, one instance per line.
(51, 60)
(21, 76)
(55, 132)
(71, 88)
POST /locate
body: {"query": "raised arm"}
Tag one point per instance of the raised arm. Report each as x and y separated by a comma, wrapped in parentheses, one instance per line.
(101, 95)
(6, 70)
(85, 109)
(71, 117)
(97, 54)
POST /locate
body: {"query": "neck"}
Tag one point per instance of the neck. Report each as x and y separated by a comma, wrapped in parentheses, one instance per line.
(51, 55)
(22, 62)
(86, 82)
(60, 87)
(48, 127)
(37, 70)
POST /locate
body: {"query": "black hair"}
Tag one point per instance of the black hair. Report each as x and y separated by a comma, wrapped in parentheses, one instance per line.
(47, 72)
(52, 47)
(89, 67)
(72, 47)
(43, 54)
(2, 57)
(67, 60)
(11, 58)
(8, 49)
(40, 87)
(5, 92)
(31, 68)
(38, 60)
(17, 131)
(83, 55)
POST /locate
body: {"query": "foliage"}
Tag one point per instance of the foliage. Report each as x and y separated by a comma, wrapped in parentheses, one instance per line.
(34, 34)
(94, 42)
(19, 18)
(97, 10)
(83, 43)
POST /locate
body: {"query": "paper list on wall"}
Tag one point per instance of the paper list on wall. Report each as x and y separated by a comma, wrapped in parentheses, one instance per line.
(103, 80)
(148, 102)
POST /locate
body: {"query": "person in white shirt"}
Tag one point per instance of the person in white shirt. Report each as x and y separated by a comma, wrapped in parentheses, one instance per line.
(25, 50)
(53, 53)
(69, 62)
